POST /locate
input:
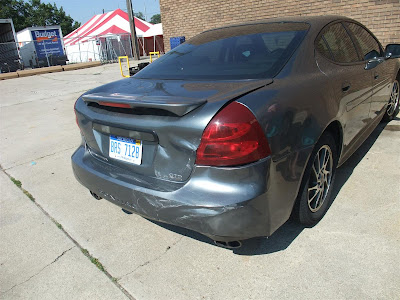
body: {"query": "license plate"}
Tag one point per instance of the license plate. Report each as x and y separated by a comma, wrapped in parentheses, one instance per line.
(125, 149)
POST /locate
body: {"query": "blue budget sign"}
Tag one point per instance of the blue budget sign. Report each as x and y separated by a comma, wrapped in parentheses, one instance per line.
(47, 41)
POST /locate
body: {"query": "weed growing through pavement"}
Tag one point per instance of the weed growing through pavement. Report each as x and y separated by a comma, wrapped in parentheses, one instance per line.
(19, 185)
(93, 260)
(16, 182)
(29, 195)
(58, 225)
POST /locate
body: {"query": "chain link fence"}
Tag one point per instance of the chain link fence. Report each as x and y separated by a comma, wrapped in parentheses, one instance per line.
(9, 57)
(35, 54)
(104, 49)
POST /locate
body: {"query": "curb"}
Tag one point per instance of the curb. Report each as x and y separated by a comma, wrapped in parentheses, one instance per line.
(25, 73)
(81, 66)
(8, 75)
(45, 70)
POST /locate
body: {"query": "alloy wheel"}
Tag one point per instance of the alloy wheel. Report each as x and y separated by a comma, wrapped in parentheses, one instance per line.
(320, 178)
(394, 99)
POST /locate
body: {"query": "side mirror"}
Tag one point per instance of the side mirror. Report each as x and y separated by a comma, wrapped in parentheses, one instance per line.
(392, 51)
(372, 55)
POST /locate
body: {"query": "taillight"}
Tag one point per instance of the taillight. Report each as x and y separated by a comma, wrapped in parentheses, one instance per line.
(233, 137)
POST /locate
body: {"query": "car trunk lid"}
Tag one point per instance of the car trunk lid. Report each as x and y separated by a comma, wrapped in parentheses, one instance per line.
(168, 117)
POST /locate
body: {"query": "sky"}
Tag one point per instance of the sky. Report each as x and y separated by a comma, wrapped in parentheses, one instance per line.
(83, 10)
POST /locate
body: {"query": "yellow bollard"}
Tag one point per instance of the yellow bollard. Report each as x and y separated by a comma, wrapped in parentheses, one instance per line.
(154, 53)
(120, 65)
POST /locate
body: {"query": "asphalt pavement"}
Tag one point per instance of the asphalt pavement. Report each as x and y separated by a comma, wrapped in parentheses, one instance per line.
(57, 242)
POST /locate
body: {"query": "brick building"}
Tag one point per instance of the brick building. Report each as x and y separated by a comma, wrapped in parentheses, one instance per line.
(190, 17)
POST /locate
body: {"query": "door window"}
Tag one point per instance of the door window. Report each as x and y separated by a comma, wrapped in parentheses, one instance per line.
(368, 44)
(336, 44)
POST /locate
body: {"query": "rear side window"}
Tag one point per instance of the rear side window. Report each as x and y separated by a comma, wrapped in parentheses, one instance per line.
(336, 44)
(368, 44)
(322, 47)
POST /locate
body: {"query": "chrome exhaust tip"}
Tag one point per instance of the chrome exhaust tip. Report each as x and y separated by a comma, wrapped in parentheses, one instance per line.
(95, 196)
(229, 245)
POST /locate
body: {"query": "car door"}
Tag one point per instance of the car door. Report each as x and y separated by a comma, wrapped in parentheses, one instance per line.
(351, 84)
(375, 64)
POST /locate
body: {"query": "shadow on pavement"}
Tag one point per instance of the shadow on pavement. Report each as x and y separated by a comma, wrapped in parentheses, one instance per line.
(287, 233)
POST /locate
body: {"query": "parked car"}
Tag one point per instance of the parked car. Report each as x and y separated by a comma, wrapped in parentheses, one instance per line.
(238, 128)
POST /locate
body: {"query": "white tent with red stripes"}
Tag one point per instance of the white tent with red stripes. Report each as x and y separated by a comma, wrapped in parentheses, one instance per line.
(107, 36)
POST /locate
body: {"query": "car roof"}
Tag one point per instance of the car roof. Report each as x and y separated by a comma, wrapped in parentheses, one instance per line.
(316, 22)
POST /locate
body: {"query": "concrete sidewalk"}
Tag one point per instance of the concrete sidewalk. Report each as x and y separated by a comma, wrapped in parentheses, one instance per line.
(37, 260)
(353, 253)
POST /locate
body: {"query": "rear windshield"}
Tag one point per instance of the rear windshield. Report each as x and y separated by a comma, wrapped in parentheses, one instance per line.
(240, 52)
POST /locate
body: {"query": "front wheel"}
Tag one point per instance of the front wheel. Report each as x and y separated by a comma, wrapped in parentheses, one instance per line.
(314, 198)
(392, 108)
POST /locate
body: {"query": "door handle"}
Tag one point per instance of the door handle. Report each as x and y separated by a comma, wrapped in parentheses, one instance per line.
(346, 87)
(376, 76)
(372, 63)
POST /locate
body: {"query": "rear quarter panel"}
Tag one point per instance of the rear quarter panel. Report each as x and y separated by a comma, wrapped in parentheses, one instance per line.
(293, 112)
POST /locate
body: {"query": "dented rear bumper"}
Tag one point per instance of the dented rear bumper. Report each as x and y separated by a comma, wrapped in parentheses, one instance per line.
(222, 203)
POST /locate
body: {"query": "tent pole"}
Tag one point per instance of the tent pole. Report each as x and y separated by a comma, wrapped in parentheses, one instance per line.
(79, 46)
(94, 53)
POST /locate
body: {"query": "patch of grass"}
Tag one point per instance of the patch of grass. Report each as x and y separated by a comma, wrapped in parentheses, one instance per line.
(94, 260)
(16, 182)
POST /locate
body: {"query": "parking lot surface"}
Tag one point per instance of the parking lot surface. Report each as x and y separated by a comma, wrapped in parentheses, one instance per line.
(67, 245)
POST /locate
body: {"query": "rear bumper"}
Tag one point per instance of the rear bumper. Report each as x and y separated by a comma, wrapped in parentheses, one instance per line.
(222, 203)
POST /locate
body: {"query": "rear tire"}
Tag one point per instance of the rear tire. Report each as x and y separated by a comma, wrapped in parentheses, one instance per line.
(393, 106)
(314, 196)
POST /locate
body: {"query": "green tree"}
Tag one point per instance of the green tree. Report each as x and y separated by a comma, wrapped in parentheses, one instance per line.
(155, 19)
(15, 10)
(140, 15)
(34, 13)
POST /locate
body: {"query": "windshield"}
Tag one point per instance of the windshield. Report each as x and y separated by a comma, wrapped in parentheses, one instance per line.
(239, 52)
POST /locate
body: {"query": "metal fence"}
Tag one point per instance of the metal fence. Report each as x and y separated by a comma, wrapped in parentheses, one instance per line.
(35, 54)
(9, 57)
(105, 49)
(109, 48)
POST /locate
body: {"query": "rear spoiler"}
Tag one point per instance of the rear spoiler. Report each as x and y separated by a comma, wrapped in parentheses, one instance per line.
(176, 105)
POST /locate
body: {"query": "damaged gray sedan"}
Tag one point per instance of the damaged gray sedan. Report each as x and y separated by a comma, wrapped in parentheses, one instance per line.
(238, 128)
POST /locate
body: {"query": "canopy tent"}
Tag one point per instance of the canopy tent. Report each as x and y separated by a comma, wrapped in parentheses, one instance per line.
(152, 39)
(154, 30)
(107, 36)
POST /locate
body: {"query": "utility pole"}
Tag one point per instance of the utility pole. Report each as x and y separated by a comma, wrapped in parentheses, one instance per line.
(135, 48)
